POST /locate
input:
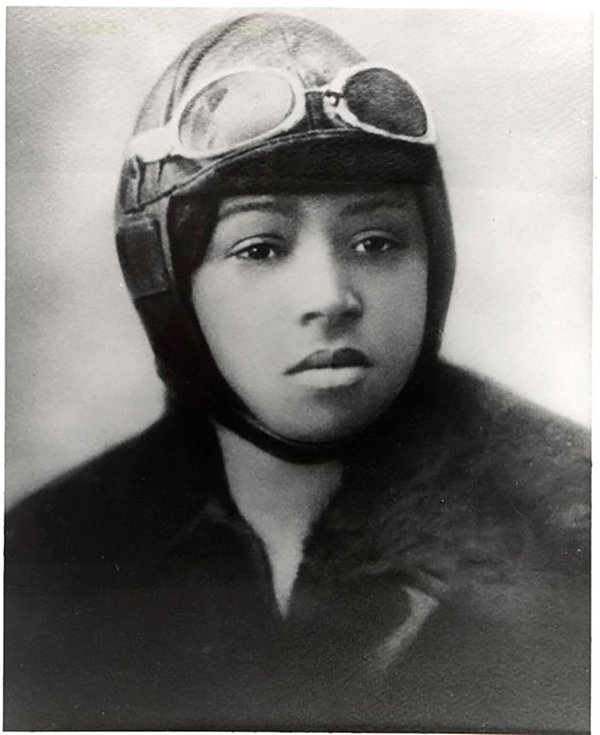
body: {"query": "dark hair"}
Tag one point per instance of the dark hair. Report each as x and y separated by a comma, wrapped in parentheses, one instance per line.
(190, 222)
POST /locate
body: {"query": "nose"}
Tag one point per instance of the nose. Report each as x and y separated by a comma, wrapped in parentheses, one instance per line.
(328, 293)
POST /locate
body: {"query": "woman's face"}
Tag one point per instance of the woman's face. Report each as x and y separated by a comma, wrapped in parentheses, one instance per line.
(314, 306)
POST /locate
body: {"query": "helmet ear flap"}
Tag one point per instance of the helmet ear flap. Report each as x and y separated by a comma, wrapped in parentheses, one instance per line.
(182, 357)
(159, 253)
(142, 259)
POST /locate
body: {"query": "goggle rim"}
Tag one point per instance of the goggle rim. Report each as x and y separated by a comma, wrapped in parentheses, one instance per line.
(336, 86)
(159, 143)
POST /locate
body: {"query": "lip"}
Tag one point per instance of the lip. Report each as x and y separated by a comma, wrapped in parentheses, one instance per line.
(331, 360)
(330, 378)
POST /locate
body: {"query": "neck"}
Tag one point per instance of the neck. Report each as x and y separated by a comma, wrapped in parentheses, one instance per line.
(280, 501)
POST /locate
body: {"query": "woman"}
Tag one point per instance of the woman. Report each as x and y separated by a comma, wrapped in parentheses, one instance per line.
(330, 528)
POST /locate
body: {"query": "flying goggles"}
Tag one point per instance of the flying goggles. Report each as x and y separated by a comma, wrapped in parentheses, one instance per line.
(244, 106)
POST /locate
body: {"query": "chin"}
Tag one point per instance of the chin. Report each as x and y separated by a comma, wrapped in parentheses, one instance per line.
(332, 429)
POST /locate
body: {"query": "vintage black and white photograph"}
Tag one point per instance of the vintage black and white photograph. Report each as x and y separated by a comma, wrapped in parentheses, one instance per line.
(298, 313)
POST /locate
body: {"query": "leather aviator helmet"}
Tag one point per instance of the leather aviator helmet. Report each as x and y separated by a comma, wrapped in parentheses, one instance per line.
(265, 103)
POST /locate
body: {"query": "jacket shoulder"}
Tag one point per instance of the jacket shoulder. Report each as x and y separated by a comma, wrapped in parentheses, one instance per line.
(539, 461)
(513, 430)
(116, 504)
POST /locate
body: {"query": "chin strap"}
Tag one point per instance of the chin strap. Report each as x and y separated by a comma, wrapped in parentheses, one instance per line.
(235, 417)
(297, 452)
(231, 413)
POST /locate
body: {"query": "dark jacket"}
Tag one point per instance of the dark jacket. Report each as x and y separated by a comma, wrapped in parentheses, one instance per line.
(445, 587)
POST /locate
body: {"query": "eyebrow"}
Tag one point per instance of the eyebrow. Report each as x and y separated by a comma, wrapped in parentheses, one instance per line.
(273, 205)
(371, 205)
(269, 204)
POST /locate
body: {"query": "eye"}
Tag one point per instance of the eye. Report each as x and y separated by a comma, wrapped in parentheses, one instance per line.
(259, 251)
(377, 244)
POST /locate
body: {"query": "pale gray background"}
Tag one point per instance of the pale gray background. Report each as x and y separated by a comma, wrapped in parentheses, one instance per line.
(511, 93)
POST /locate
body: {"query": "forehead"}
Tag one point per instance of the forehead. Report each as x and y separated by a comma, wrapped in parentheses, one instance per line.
(351, 204)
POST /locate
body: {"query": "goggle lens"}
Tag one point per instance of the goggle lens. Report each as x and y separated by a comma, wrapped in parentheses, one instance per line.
(381, 99)
(235, 109)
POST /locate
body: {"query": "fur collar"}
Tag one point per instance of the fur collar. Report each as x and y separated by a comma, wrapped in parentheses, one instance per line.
(482, 502)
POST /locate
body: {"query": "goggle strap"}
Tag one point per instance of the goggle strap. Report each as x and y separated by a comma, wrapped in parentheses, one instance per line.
(151, 145)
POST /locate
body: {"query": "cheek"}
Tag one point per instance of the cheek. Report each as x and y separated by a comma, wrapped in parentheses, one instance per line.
(398, 305)
(233, 319)
(216, 304)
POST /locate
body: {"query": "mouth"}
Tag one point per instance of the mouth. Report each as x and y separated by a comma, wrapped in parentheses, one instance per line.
(346, 357)
(331, 368)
